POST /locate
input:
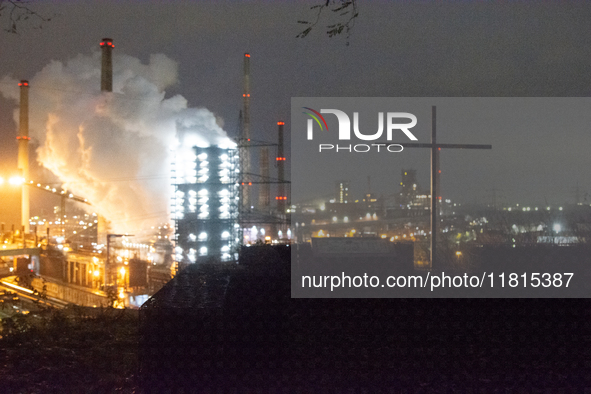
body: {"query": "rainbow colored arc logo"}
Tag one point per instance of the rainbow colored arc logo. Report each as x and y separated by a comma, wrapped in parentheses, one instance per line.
(315, 116)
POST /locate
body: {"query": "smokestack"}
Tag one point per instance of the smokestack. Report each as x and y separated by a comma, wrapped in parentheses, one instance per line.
(281, 195)
(264, 188)
(107, 65)
(245, 160)
(23, 151)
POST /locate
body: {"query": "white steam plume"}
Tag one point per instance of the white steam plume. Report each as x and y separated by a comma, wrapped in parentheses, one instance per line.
(114, 148)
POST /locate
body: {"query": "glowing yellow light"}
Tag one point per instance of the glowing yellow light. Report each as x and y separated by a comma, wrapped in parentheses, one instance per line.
(122, 270)
(458, 253)
(16, 180)
(96, 273)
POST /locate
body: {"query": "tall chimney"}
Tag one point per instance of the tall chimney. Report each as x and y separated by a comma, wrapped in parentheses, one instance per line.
(23, 151)
(281, 195)
(107, 65)
(245, 160)
(264, 188)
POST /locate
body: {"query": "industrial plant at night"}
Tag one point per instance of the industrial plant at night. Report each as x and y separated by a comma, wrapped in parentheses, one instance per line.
(213, 214)
(295, 197)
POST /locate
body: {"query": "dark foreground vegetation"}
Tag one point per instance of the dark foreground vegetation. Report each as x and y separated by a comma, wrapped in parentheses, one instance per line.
(260, 339)
(236, 329)
(76, 350)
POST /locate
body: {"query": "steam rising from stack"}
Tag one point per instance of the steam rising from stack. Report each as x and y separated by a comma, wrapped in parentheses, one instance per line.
(115, 149)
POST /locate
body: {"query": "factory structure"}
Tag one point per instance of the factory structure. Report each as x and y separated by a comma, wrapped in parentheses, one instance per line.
(213, 205)
(207, 207)
(214, 213)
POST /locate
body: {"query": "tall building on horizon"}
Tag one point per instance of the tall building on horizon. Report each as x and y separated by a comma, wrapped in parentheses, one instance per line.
(408, 187)
(342, 192)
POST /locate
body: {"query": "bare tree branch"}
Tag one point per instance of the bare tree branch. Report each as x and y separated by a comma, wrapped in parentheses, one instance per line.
(347, 12)
(18, 12)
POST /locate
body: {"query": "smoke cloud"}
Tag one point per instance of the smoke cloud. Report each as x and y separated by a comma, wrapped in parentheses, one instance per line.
(115, 149)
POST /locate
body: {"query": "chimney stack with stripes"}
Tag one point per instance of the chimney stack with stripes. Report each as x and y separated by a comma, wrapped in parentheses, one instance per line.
(281, 195)
(107, 65)
(23, 151)
(264, 188)
(245, 151)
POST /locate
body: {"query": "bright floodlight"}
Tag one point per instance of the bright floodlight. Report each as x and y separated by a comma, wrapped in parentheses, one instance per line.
(557, 227)
(16, 180)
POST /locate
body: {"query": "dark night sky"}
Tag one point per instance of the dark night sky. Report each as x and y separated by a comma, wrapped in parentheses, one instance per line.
(396, 49)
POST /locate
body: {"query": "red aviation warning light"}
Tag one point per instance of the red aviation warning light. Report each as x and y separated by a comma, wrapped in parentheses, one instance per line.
(280, 123)
(246, 55)
(23, 83)
(107, 42)
(280, 158)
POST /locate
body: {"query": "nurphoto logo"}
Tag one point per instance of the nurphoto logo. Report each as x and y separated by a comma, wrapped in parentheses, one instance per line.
(392, 124)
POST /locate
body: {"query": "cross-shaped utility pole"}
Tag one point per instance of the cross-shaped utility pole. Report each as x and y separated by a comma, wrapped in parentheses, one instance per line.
(435, 171)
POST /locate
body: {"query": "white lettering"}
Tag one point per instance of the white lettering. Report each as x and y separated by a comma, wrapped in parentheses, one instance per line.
(344, 122)
(404, 127)
(355, 148)
(371, 137)
(395, 145)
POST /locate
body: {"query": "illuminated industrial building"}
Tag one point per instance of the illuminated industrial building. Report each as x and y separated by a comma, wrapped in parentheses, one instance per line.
(206, 205)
